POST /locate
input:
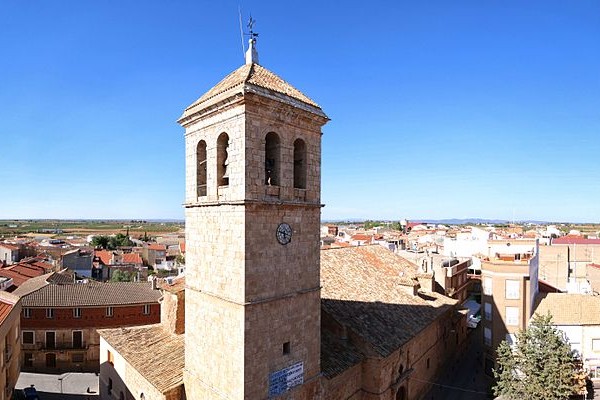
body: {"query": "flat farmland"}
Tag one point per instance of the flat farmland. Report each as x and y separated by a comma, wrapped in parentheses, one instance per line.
(59, 228)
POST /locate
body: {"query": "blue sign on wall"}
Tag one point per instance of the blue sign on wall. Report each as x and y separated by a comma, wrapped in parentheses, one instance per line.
(283, 380)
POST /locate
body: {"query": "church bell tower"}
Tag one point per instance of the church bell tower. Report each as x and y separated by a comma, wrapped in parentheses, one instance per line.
(252, 214)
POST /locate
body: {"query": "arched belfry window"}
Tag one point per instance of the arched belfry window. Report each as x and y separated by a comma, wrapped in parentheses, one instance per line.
(272, 151)
(201, 168)
(223, 160)
(300, 164)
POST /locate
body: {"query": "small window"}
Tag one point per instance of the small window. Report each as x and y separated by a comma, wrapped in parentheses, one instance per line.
(286, 348)
(49, 312)
(109, 311)
(110, 358)
(77, 313)
(77, 358)
(272, 159)
(110, 386)
(487, 286)
(77, 339)
(121, 395)
(27, 313)
(512, 316)
(201, 168)
(146, 309)
(28, 337)
(487, 336)
(28, 359)
(299, 164)
(50, 339)
(428, 363)
(512, 289)
(223, 167)
(487, 308)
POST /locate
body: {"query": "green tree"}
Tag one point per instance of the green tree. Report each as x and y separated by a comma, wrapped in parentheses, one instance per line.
(539, 366)
(122, 276)
(111, 242)
(101, 241)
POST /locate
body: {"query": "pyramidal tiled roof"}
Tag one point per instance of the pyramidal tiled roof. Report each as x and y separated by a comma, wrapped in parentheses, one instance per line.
(242, 79)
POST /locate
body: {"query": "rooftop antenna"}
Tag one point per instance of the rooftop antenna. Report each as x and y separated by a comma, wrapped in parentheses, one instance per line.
(241, 31)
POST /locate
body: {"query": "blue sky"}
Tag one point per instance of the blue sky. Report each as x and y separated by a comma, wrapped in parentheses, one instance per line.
(438, 109)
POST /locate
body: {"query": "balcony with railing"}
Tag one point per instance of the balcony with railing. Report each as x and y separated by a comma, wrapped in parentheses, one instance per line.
(43, 346)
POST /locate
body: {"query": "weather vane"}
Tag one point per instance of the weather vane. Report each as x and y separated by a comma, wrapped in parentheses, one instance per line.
(250, 25)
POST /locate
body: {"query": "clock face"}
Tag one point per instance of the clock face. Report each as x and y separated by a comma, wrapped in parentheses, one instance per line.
(284, 233)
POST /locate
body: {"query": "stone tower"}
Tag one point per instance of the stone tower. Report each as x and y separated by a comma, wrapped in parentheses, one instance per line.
(252, 211)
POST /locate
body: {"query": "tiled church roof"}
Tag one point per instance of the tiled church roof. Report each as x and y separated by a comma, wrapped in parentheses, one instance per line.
(241, 80)
(155, 353)
(362, 290)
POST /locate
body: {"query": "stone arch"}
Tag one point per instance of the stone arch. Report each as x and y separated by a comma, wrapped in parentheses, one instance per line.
(201, 168)
(272, 159)
(300, 164)
(223, 168)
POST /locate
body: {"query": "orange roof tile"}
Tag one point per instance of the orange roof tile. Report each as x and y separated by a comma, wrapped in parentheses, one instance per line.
(104, 255)
(157, 247)
(132, 258)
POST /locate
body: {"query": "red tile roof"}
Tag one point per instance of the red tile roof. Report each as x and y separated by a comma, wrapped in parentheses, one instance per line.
(182, 247)
(105, 256)
(9, 246)
(44, 292)
(132, 258)
(7, 303)
(360, 236)
(157, 247)
(572, 239)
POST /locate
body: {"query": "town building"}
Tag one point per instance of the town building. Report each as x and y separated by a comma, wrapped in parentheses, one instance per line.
(509, 275)
(15, 275)
(385, 333)
(10, 348)
(578, 316)
(60, 318)
(147, 361)
(78, 261)
(9, 253)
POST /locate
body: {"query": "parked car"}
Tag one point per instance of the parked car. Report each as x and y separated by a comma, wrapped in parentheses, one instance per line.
(30, 393)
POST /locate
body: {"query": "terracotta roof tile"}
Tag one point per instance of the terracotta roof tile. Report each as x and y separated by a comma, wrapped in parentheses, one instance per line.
(362, 290)
(573, 239)
(157, 247)
(241, 81)
(155, 353)
(7, 304)
(570, 309)
(132, 258)
(38, 292)
(106, 256)
(337, 355)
